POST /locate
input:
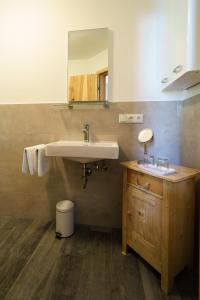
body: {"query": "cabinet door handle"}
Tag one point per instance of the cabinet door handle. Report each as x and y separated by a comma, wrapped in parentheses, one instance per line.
(141, 213)
(129, 212)
(165, 80)
(178, 69)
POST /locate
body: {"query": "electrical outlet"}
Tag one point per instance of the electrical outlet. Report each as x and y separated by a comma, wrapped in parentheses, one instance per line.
(131, 118)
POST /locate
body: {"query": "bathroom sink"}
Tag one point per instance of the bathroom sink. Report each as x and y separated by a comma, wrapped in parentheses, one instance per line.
(83, 152)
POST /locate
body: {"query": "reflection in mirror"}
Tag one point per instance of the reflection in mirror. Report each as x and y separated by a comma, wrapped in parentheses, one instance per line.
(88, 65)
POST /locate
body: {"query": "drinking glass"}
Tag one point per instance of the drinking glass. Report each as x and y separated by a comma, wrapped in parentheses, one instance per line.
(151, 160)
(162, 162)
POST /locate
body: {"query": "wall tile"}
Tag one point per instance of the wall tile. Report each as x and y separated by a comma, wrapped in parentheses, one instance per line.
(190, 133)
(100, 204)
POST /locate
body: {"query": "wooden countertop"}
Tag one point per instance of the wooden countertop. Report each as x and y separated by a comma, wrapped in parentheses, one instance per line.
(182, 173)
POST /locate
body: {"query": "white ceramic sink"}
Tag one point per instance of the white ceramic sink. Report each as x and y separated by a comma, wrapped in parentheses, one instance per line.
(83, 152)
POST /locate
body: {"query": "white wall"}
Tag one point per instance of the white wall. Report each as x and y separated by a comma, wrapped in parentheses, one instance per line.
(33, 47)
(88, 66)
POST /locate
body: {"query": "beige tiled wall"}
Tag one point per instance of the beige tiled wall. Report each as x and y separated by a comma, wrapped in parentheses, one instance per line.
(100, 203)
(190, 149)
(190, 132)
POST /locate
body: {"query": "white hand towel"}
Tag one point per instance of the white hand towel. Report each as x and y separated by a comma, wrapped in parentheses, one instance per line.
(29, 158)
(43, 162)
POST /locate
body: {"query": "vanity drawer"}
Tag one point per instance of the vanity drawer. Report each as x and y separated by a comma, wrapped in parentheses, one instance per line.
(145, 182)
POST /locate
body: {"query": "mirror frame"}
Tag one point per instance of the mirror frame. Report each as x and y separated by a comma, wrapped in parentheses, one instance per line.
(150, 132)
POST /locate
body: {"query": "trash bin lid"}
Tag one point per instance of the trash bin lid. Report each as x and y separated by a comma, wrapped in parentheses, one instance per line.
(64, 205)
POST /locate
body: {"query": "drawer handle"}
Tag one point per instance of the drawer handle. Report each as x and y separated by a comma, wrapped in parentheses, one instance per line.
(145, 186)
(129, 212)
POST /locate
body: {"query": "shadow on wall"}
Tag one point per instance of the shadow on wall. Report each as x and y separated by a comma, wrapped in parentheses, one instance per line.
(190, 134)
(99, 203)
(59, 183)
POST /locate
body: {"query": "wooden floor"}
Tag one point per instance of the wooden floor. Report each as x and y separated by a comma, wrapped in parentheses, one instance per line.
(89, 265)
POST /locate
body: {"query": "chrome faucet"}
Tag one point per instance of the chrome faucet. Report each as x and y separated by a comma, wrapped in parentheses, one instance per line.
(86, 132)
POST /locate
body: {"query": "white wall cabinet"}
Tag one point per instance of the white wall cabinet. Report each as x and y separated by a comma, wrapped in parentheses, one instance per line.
(180, 44)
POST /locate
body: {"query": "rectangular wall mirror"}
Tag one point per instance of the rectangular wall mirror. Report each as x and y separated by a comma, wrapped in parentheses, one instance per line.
(88, 65)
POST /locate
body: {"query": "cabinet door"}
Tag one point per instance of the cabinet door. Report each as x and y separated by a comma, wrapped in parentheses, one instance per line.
(173, 37)
(144, 224)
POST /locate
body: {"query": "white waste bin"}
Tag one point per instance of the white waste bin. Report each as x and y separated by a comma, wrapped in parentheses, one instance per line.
(64, 218)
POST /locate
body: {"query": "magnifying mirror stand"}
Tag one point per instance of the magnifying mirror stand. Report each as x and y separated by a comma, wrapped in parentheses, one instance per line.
(145, 136)
(145, 152)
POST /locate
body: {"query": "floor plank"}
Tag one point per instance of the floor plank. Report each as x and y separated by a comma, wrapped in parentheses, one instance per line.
(63, 279)
(151, 284)
(87, 266)
(126, 279)
(16, 249)
(34, 275)
(94, 282)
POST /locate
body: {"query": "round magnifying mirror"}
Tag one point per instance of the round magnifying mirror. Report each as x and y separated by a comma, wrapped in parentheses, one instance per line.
(145, 135)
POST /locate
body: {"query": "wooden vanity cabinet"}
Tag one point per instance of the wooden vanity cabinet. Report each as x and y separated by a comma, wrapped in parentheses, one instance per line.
(158, 218)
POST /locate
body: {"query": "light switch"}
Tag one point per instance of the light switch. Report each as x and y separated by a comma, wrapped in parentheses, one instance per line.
(131, 118)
